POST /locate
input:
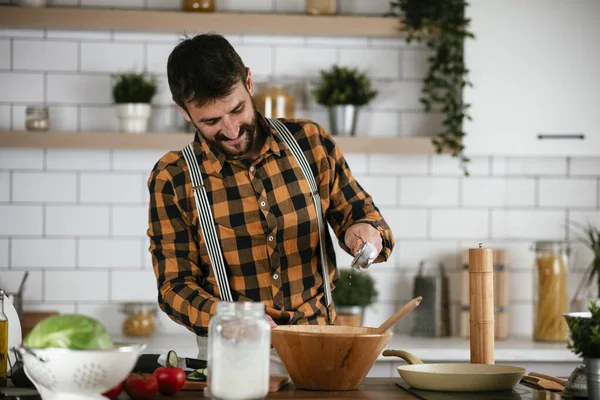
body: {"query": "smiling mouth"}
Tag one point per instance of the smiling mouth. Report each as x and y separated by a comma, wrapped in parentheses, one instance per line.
(237, 140)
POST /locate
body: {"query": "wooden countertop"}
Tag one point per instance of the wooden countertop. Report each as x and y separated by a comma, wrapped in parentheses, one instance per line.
(372, 388)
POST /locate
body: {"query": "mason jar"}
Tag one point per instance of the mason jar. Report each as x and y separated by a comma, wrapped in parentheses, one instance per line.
(239, 344)
(550, 294)
(274, 100)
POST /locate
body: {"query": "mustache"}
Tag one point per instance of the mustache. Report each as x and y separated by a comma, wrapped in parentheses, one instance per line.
(245, 128)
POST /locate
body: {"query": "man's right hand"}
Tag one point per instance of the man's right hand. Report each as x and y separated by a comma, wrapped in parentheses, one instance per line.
(271, 322)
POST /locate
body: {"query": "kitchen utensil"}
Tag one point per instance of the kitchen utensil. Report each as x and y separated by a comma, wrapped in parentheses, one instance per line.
(276, 382)
(481, 305)
(365, 257)
(328, 357)
(432, 319)
(560, 381)
(65, 374)
(543, 383)
(14, 330)
(456, 377)
(183, 362)
(408, 307)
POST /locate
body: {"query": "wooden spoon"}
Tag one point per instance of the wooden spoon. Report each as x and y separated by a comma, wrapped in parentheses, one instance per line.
(408, 307)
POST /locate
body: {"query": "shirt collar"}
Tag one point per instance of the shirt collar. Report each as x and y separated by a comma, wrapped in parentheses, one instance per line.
(213, 161)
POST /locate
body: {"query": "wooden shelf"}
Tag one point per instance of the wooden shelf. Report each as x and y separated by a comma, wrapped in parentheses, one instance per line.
(176, 140)
(178, 21)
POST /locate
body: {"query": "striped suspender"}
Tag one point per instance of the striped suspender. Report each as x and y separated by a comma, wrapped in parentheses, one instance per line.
(299, 156)
(207, 225)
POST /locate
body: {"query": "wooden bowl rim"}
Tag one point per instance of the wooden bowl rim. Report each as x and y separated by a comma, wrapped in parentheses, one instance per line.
(344, 335)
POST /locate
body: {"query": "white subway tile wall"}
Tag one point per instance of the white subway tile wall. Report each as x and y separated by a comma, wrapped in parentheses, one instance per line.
(77, 218)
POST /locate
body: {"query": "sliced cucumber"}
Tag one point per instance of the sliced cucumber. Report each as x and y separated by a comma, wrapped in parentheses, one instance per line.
(172, 360)
(197, 375)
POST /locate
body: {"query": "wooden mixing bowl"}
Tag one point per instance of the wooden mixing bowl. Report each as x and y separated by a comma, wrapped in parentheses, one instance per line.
(328, 357)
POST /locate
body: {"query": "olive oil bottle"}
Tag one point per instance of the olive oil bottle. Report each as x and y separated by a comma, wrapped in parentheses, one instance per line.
(3, 342)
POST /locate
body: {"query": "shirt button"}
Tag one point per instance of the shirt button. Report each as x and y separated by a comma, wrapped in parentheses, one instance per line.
(271, 238)
(275, 276)
(262, 204)
(252, 169)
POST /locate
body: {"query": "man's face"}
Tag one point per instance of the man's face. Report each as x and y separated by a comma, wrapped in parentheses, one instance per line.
(229, 124)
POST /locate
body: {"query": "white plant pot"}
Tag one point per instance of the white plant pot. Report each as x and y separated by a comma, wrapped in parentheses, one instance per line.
(133, 117)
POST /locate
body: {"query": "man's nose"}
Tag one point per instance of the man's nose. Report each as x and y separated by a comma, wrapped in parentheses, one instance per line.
(230, 128)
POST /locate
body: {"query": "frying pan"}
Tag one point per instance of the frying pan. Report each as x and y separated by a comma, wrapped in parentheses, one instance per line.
(456, 377)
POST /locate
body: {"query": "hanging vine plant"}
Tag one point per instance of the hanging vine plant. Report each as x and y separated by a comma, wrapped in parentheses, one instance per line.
(443, 27)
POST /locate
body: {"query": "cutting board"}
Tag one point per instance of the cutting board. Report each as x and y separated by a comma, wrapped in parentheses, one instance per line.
(276, 383)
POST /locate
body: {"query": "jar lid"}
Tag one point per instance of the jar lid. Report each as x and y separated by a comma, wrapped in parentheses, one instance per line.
(551, 245)
(138, 308)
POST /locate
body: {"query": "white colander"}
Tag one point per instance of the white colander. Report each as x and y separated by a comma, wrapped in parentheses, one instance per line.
(65, 374)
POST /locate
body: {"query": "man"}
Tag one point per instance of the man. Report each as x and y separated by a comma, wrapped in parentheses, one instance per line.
(254, 196)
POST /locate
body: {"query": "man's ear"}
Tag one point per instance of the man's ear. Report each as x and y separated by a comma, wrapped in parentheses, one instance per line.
(184, 113)
(249, 82)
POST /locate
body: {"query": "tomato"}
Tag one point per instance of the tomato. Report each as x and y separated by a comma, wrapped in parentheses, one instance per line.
(170, 379)
(141, 386)
(113, 393)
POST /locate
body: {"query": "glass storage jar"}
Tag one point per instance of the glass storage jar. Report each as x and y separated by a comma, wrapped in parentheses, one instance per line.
(550, 295)
(274, 101)
(37, 118)
(199, 5)
(321, 7)
(140, 319)
(239, 343)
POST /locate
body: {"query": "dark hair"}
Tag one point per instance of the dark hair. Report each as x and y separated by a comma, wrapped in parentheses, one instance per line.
(203, 68)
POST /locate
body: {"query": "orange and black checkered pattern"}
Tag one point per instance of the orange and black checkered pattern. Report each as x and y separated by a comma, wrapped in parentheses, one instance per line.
(266, 223)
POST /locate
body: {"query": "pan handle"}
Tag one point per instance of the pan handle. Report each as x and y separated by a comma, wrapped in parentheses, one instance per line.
(405, 355)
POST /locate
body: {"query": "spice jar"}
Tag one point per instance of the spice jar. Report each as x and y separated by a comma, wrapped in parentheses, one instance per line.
(37, 118)
(274, 101)
(321, 7)
(550, 296)
(199, 5)
(140, 319)
(239, 343)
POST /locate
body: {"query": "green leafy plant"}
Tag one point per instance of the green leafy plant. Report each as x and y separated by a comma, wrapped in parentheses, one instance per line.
(132, 87)
(71, 331)
(585, 333)
(591, 239)
(343, 85)
(354, 289)
(443, 27)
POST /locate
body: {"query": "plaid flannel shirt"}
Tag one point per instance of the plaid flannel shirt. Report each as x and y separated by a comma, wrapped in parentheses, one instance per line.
(266, 223)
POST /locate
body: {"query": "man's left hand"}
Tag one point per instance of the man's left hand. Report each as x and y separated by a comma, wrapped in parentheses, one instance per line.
(358, 234)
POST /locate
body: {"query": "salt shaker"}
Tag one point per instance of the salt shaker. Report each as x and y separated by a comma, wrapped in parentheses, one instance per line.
(365, 257)
(239, 344)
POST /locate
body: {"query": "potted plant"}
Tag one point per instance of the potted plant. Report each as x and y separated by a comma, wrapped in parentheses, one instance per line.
(443, 27)
(343, 91)
(591, 277)
(132, 94)
(353, 293)
(585, 342)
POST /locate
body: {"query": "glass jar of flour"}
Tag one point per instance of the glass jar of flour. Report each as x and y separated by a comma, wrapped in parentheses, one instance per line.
(239, 344)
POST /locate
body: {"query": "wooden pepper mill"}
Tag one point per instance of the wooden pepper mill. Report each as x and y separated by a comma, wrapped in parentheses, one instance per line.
(481, 305)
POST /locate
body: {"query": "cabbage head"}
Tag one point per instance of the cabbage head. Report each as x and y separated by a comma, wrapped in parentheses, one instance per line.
(71, 331)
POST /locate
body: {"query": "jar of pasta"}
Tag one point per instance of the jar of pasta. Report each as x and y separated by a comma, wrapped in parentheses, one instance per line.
(550, 296)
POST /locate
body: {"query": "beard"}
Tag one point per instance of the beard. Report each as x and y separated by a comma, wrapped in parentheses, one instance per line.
(236, 150)
(233, 151)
